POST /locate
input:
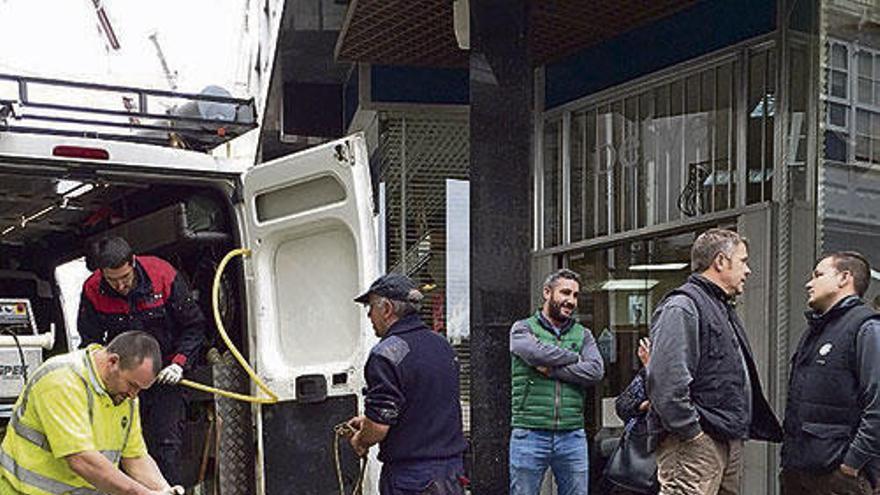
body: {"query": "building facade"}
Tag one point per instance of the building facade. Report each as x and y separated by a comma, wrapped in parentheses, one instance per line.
(604, 137)
(765, 124)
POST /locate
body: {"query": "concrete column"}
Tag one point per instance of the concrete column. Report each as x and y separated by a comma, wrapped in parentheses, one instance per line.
(501, 136)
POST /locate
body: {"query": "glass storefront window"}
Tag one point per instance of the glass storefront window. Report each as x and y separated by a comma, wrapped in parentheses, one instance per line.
(797, 136)
(724, 138)
(852, 117)
(762, 109)
(605, 157)
(621, 286)
(579, 191)
(849, 163)
(552, 183)
(650, 157)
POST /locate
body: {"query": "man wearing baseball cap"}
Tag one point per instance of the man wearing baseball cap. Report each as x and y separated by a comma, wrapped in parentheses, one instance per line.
(412, 407)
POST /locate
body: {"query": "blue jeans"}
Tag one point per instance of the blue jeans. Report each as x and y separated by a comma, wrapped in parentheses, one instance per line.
(427, 477)
(533, 451)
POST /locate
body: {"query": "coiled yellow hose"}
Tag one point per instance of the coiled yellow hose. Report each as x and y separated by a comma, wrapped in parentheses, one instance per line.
(215, 304)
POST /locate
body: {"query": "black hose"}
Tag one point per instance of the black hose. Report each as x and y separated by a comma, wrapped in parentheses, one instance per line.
(8, 331)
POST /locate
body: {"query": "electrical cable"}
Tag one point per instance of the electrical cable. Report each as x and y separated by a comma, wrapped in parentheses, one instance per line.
(8, 331)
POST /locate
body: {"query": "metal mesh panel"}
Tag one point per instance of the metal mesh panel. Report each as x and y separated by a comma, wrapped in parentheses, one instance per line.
(559, 28)
(417, 154)
(422, 33)
(401, 32)
(463, 351)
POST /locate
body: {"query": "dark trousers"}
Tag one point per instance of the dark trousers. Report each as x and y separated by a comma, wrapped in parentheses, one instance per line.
(794, 482)
(163, 412)
(429, 477)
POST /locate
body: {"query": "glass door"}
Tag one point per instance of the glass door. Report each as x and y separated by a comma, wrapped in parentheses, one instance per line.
(621, 287)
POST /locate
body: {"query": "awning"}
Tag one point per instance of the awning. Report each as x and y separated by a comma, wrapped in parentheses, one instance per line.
(421, 32)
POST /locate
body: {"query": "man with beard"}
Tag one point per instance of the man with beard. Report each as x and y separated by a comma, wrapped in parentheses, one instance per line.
(832, 417)
(702, 381)
(553, 359)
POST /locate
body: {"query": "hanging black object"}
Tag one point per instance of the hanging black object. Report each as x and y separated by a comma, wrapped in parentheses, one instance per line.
(632, 466)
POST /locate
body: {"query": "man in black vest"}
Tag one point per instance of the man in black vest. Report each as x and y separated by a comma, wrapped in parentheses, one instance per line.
(412, 404)
(702, 381)
(832, 418)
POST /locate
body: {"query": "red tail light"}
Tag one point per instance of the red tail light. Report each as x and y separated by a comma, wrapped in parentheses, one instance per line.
(81, 152)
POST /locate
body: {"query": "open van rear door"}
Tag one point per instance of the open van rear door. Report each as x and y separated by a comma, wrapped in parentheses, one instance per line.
(308, 222)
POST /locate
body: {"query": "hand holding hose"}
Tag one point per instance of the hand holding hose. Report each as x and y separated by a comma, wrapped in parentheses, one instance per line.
(356, 445)
(355, 424)
(351, 430)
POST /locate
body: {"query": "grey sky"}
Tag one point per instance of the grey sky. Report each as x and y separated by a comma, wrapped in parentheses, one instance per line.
(202, 40)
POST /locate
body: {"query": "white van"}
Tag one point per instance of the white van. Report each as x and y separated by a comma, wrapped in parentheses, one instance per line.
(307, 219)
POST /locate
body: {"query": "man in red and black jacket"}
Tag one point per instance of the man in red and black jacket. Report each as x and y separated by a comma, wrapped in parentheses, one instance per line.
(128, 292)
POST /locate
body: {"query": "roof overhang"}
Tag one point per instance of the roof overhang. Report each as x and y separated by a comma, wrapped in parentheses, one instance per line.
(422, 32)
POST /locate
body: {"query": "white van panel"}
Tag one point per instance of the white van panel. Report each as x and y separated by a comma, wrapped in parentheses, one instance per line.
(123, 156)
(315, 329)
(308, 222)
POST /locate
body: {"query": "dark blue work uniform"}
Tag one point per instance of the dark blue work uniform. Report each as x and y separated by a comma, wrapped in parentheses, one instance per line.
(412, 386)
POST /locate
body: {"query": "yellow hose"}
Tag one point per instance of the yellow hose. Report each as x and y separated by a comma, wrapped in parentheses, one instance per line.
(215, 298)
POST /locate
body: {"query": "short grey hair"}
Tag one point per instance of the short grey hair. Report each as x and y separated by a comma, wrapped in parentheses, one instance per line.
(135, 346)
(565, 273)
(712, 242)
(412, 305)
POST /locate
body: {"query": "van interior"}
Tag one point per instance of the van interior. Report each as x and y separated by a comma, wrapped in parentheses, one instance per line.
(49, 218)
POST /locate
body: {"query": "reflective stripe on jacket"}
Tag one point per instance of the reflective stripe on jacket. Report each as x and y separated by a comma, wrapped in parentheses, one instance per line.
(29, 461)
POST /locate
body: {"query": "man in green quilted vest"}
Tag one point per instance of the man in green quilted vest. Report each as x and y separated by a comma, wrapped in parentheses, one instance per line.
(553, 358)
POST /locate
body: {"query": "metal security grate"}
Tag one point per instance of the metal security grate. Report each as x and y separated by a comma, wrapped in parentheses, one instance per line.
(416, 156)
(463, 351)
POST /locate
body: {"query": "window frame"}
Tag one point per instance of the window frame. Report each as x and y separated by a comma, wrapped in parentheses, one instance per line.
(851, 103)
(735, 57)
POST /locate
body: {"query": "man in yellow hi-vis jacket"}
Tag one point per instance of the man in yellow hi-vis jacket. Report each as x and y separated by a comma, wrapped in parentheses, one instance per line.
(76, 429)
